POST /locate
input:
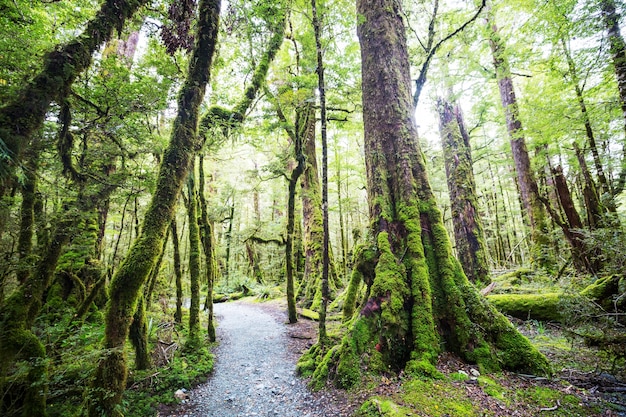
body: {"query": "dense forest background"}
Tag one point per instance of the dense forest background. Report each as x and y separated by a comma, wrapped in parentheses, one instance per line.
(128, 195)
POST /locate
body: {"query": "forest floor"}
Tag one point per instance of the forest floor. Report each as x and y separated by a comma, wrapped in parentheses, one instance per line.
(254, 375)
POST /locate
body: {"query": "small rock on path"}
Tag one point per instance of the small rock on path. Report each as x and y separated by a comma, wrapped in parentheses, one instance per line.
(254, 373)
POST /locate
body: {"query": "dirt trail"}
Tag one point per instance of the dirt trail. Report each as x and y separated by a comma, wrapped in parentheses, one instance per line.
(254, 372)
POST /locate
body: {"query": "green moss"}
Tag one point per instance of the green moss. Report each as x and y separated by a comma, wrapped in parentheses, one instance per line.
(320, 376)
(493, 389)
(604, 289)
(364, 259)
(378, 407)
(529, 306)
(309, 314)
(422, 368)
(437, 398)
(543, 397)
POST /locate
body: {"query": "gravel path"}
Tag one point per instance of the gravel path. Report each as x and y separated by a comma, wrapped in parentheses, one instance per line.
(254, 372)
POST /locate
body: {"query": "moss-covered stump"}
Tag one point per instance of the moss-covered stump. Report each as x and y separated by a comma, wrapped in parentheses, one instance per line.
(543, 307)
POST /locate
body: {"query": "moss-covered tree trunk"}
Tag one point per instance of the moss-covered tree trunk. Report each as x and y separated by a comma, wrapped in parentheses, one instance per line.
(154, 274)
(22, 117)
(526, 180)
(27, 213)
(138, 335)
(468, 227)
(313, 221)
(178, 314)
(208, 247)
(17, 314)
(420, 301)
(110, 379)
(194, 260)
(305, 115)
(321, 86)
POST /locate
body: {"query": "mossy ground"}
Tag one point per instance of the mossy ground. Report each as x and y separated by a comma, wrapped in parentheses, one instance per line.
(460, 395)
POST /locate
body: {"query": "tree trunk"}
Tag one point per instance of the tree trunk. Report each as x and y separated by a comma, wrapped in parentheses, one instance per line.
(253, 261)
(313, 220)
(325, 291)
(595, 210)
(343, 242)
(611, 20)
(27, 214)
(573, 72)
(527, 183)
(582, 258)
(419, 301)
(110, 378)
(178, 315)
(229, 239)
(154, 274)
(138, 335)
(305, 122)
(468, 228)
(194, 260)
(208, 247)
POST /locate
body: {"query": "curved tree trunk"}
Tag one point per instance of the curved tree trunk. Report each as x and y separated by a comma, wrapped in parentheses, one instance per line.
(419, 301)
(110, 379)
(468, 227)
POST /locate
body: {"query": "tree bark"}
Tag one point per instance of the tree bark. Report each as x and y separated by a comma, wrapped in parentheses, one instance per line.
(529, 190)
(194, 260)
(138, 335)
(27, 214)
(208, 247)
(419, 301)
(305, 122)
(604, 183)
(468, 227)
(110, 378)
(611, 19)
(325, 291)
(178, 315)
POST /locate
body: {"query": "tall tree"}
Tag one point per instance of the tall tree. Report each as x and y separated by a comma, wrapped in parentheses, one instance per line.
(110, 379)
(419, 300)
(468, 229)
(527, 183)
(325, 246)
(611, 20)
(194, 259)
